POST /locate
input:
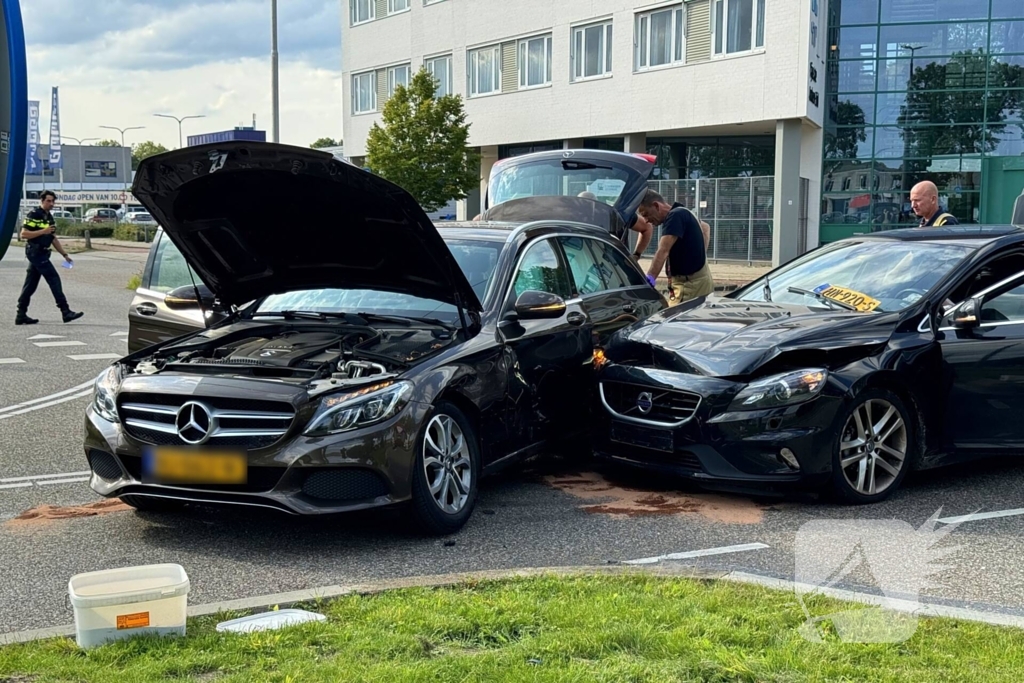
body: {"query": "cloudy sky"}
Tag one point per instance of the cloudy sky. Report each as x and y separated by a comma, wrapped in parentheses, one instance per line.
(119, 62)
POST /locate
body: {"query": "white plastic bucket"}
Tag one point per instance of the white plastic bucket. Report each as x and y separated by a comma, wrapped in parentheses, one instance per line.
(121, 603)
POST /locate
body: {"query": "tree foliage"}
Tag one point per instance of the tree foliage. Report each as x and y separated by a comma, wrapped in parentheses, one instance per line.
(324, 143)
(144, 150)
(422, 145)
(108, 143)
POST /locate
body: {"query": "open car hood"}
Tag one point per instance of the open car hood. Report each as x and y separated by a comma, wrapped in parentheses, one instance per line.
(255, 219)
(633, 170)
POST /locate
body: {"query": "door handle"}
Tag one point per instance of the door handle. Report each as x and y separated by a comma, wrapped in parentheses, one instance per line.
(628, 308)
(146, 309)
(576, 318)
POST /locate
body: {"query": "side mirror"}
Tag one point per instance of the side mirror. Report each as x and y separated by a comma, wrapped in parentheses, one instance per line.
(534, 305)
(968, 314)
(1018, 212)
(184, 298)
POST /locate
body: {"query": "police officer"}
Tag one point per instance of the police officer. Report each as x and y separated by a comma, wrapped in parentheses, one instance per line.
(38, 230)
(924, 200)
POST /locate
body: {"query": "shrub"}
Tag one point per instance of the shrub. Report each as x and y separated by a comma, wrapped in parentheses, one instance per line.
(66, 228)
(134, 233)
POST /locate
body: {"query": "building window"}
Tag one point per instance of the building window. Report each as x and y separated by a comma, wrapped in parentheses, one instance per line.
(659, 38)
(397, 75)
(395, 6)
(737, 25)
(591, 51)
(485, 71)
(441, 69)
(364, 93)
(362, 11)
(100, 169)
(535, 62)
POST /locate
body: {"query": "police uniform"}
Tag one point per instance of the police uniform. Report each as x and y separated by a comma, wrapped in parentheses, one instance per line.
(940, 219)
(37, 251)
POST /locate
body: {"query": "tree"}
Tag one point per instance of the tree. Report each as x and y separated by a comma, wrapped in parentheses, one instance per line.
(108, 143)
(843, 144)
(324, 143)
(422, 146)
(144, 150)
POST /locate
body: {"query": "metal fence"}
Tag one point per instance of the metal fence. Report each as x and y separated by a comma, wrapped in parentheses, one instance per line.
(739, 211)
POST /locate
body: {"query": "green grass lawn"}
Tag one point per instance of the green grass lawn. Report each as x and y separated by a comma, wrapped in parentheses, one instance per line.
(603, 628)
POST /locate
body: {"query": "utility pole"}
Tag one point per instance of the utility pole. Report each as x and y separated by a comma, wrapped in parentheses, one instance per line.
(275, 134)
(128, 168)
(183, 118)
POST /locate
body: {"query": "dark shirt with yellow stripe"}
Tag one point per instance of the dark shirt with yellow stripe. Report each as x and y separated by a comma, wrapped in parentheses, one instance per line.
(39, 219)
(938, 220)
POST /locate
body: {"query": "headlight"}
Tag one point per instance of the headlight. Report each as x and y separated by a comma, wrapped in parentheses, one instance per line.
(105, 392)
(352, 410)
(781, 390)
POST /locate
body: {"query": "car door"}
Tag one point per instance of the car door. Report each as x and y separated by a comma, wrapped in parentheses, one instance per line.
(150, 321)
(613, 291)
(984, 363)
(548, 361)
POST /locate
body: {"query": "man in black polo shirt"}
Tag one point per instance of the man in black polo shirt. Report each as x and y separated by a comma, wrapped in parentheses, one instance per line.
(924, 200)
(38, 230)
(682, 245)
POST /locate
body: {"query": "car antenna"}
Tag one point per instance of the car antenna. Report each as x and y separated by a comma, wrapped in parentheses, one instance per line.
(767, 290)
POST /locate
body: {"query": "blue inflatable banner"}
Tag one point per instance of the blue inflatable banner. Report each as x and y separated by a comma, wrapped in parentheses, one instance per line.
(13, 118)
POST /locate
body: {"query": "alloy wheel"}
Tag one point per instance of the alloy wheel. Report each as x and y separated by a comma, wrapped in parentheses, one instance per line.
(873, 447)
(447, 464)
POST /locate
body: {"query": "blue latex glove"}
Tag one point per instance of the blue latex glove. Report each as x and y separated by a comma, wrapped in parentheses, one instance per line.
(652, 280)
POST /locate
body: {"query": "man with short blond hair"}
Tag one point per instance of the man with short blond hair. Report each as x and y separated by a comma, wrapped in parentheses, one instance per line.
(924, 200)
(682, 245)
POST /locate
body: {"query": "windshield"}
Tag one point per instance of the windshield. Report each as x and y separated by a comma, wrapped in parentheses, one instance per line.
(865, 276)
(557, 178)
(477, 258)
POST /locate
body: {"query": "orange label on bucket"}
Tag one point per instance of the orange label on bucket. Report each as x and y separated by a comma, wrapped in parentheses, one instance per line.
(138, 620)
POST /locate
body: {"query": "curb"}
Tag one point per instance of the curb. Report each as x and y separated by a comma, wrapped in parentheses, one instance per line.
(291, 598)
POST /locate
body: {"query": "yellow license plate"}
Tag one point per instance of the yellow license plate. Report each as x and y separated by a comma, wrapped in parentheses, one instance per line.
(862, 302)
(184, 466)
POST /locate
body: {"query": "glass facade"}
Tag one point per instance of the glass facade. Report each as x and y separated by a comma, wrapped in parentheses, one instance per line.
(718, 157)
(922, 90)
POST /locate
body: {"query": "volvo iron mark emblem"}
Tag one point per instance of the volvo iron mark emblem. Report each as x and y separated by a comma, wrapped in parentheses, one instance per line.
(645, 402)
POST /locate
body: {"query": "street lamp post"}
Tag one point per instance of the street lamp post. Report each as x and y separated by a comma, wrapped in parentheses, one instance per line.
(81, 159)
(275, 98)
(183, 118)
(122, 131)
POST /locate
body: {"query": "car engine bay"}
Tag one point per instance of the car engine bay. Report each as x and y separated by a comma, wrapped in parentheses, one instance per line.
(298, 352)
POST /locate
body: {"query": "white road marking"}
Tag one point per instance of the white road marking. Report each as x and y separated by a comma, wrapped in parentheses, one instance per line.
(10, 361)
(46, 336)
(47, 345)
(96, 356)
(119, 334)
(81, 390)
(981, 515)
(53, 482)
(31, 478)
(16, 486)
(699, 553)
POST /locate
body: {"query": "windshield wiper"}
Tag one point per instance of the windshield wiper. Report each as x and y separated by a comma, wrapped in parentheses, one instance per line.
(406, 320)
(303, 315)
(831, 303)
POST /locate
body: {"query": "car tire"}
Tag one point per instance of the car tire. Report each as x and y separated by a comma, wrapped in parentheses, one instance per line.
(148, 504)
(871, 457)
(446, 473)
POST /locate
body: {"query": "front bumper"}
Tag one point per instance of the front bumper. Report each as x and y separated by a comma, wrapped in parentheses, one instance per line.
(301, 475)
(740, 450)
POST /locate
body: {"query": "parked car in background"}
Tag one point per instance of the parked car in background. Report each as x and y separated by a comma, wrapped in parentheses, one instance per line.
(848, 367)
(140, 218)
(125, 211)
(101, 216)
(395, 363)
(63, 214)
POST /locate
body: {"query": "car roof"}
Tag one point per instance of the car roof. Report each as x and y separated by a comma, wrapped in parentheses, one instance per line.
(968, 235)
(500, 231)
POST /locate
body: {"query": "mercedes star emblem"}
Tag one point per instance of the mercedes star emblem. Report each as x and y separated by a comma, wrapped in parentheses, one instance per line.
(645, 402)
(194, 423)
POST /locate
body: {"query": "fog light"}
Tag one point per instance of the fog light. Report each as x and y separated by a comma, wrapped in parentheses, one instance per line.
(786, 456)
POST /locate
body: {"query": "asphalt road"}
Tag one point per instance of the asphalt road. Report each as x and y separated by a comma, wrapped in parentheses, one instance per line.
(551, 514)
